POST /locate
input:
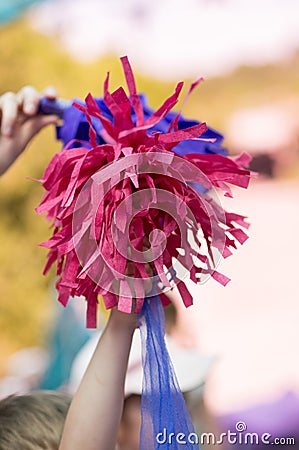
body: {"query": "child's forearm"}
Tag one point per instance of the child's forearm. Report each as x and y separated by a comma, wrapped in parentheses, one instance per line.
(94, 415)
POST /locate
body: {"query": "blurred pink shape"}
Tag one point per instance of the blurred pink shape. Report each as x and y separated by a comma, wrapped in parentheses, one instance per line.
(264, 129)
(251, 325)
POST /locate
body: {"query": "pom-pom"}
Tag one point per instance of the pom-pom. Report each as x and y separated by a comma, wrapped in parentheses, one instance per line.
(132, 199)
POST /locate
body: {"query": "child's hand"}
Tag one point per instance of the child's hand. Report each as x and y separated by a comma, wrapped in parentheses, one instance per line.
(20, 121)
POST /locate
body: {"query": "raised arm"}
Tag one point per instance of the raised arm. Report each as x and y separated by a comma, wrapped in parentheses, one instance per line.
(94, 416)
(20, 121)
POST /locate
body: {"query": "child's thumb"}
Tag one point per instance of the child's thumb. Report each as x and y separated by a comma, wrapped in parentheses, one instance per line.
(39, 122)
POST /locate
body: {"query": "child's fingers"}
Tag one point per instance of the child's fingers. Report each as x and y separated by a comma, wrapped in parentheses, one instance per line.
(35, 124)
(50, 92)
(28, 99)
(172, 295)
(9, 113)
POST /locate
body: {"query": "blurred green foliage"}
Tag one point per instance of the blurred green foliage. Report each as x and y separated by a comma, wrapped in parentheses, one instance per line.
(29, 58)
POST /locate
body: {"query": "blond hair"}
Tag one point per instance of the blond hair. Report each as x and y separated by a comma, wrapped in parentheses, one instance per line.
(33, 421)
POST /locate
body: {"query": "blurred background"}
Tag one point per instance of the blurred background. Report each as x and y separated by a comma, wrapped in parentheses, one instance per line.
(248, 53)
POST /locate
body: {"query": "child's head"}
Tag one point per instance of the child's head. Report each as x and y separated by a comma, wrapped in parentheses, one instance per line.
(33, 421)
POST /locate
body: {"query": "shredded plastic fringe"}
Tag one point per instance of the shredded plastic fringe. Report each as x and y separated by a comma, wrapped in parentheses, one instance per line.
(126, 176)
(128, 161)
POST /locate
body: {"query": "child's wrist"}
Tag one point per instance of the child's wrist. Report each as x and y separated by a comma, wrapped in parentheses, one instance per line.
(121, 320)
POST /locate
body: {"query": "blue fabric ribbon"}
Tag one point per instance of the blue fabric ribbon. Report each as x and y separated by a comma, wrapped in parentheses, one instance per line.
(163, 409)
